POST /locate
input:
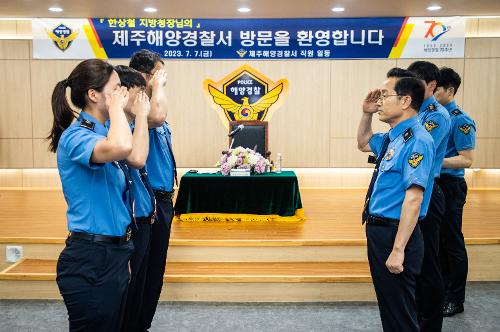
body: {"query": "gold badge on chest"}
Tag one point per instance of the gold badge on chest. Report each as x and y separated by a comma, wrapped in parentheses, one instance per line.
(389, 154)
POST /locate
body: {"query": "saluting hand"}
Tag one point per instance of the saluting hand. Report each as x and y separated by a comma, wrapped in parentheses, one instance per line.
(159, 79)
(141, 106)
(395, 261)
(370, 104)
(118, 98)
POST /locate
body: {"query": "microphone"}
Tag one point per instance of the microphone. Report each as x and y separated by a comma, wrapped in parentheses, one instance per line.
(236, 130)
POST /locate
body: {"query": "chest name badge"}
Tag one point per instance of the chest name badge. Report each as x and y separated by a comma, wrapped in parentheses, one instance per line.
(389, 154)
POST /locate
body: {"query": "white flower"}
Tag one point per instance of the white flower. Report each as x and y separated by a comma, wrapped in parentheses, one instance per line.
(253, 159)
(232, 160)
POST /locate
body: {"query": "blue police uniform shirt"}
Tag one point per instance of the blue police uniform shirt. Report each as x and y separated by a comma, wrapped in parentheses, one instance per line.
(436, 120)
(96, 194)
(160, 163)
(142, 205)
(408, 161)
(462, 136)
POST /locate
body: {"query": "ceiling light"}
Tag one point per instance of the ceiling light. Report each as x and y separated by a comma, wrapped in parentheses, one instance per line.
(55, 9)
(433, 8)
(150, 10)
(338, 9)
(244, 10)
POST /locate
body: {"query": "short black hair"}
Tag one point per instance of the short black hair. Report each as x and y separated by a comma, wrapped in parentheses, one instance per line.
(144, 60)
(425, 70)
(399, 73)
(130, 78)
(448, 78)
(413, 87)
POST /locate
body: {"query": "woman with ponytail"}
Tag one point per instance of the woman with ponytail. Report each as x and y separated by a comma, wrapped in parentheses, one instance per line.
(92, 270)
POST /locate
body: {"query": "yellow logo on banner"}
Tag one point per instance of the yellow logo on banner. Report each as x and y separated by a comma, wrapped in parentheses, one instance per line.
(62, 36)
(245, 94)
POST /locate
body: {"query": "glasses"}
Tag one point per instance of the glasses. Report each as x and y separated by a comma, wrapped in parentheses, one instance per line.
(384, 97)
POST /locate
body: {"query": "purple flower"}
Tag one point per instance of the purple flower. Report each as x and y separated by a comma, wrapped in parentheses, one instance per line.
(260, 167)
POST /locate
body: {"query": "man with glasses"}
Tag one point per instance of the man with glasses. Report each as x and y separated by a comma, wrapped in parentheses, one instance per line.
(161, 171)
(398, 196)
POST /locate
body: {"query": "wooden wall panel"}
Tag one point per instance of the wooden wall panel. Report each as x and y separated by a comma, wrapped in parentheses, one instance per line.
(482, 97)
(351, 82)
(44, 76)
(487, 153)
(344, 153)
(15, 109)
(15, 49)
(42, 157)
(482, 48)
(8, 29)
(16, 153)
(488, 27)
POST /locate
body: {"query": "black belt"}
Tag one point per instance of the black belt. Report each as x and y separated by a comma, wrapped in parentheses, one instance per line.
(102, 238)
(379, 221)
(164, 195)
(146, 220)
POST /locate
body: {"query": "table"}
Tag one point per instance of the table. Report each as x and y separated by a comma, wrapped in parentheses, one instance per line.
(263, 197)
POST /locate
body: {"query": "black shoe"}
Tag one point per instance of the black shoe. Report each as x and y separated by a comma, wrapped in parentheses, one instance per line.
(452, 308)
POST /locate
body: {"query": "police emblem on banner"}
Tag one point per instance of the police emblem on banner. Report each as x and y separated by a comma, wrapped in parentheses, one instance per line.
(62, 36)
(245, 95)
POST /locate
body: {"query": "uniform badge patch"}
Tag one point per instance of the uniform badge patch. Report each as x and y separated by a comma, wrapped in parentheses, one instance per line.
(87, 124)
(456, 112)
(429, 125)
(389, 154)
(415, 159)
(465, 128)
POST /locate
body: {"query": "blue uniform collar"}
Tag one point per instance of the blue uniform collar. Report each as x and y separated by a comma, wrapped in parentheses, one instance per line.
(401, 127)
(451, 106)
(427, 102)
(98, 127)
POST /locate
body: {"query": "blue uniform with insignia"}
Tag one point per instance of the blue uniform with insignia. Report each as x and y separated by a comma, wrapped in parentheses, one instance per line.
(436, 120)
(462, 136)
(430, 291)
(92, 270)
(405, 158)
(144, 212)
(162, 173)
(453, 253)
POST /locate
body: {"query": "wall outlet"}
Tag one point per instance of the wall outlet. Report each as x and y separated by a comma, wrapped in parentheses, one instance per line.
(13, 253)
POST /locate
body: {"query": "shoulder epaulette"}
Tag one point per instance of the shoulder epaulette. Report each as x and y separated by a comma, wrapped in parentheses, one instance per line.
(407, 134)
(431, 107)
(456, 111)
(87, 124)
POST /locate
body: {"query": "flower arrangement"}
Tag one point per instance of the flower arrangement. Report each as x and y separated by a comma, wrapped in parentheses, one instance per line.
(242, 158)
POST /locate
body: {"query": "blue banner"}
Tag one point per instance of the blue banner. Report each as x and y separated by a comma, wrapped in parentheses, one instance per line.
(250, 38)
